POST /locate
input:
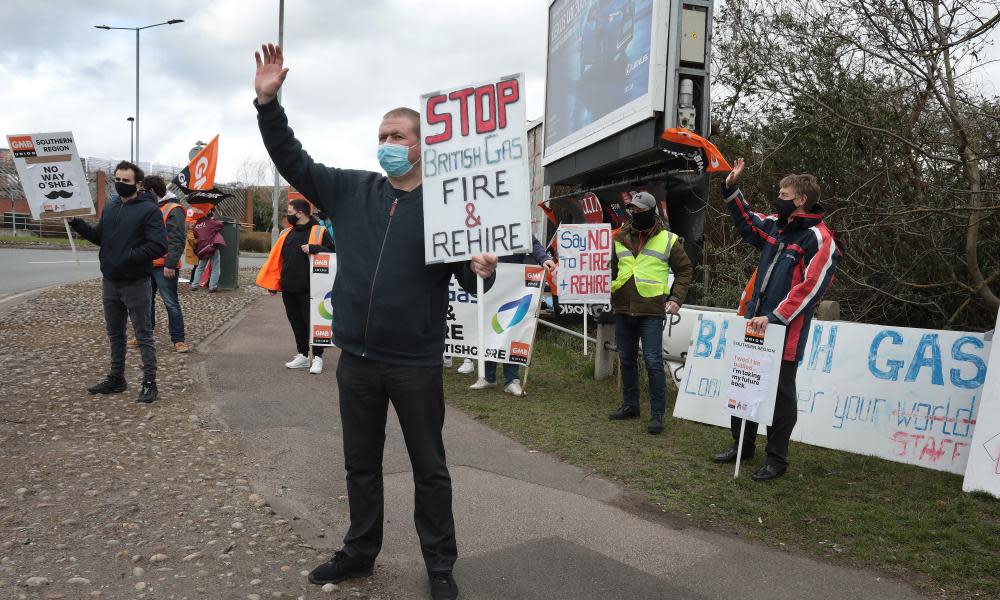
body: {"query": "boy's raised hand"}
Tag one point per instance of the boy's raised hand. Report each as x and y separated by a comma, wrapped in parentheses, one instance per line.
(734, 175)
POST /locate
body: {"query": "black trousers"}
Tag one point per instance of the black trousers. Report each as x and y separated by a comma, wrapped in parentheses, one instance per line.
(297, 309)
(417, 394)
(786, 412)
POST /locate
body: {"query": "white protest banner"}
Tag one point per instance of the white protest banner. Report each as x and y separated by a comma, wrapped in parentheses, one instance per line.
(51, 175)
(753, 366)
(584, 274)
(511, 306)
(906, 395)
(983, 470)
(321, 277)
(475, 171)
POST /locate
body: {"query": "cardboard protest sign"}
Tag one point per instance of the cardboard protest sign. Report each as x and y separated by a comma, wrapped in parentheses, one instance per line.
(511, 309)
(323, 272)
(51, 175)
(475, 171)
(898, 393)
(753, 365)
(584, 275)
(983, 470)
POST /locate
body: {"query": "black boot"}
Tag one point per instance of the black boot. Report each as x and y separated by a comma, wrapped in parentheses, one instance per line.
(148, 393)
(339, 568)
(624, 412)
(729, 456)
(655, 426)
(443, 587)
(110, 385)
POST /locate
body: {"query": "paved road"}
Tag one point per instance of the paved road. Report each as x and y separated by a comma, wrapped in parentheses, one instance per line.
(528, 525)
(26, 269)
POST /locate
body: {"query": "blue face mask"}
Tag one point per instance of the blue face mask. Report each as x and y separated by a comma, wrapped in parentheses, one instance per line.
(394, 159)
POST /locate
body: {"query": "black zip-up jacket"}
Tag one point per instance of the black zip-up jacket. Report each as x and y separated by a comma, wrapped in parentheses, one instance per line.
(130, 234)
(387, 304)
(295, 263)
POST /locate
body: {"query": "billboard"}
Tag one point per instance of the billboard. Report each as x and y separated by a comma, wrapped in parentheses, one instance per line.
(606, 65)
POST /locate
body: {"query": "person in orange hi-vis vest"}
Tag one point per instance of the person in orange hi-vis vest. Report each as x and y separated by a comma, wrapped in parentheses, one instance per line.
(286, 270)
(167, 267)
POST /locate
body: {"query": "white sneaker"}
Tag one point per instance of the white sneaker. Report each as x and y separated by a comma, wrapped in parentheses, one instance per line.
(447, 362)
(466, 367)
(482, 384)
(514, 388)
(298, 362)
(317, 365)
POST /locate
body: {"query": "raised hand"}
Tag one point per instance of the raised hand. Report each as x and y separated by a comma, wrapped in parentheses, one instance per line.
(270, 74)
(734, 175)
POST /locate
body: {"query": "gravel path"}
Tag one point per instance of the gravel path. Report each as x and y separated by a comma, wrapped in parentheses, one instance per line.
(101, 497)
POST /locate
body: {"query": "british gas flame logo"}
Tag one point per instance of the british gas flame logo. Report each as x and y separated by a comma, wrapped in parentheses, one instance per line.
(510, 314)
(326, 313)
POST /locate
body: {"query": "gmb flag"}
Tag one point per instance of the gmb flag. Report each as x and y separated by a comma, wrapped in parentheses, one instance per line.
(511, 309)
(197, 180)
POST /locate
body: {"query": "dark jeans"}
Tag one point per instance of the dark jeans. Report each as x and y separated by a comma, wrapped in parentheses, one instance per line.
(510, 372)
(168, 291)
(297, 310)
(417, 393)
(125, 300)
(628, 332)
(786, 412)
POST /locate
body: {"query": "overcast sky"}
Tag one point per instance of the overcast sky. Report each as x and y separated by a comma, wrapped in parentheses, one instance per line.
(350, 61)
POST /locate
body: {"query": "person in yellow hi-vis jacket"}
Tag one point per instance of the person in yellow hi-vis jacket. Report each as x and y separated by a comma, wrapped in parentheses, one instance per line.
(644, 256)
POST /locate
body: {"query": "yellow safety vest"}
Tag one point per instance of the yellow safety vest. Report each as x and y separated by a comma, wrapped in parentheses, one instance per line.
(650, 269)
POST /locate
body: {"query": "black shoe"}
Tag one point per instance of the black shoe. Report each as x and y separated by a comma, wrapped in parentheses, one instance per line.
(443, 587)
(110, 385)
(624, 412)
(768, 472)
(655, 426)
(729, 456)
(148, 392)
(339, 568)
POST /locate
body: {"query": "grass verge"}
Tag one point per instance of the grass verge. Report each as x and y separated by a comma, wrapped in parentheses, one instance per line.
(47, 241)
(913, 523)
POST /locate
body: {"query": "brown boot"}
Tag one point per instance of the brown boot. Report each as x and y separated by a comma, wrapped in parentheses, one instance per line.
(181, 347)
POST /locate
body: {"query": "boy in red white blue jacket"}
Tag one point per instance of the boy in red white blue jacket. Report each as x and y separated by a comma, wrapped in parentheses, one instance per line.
(799, 257)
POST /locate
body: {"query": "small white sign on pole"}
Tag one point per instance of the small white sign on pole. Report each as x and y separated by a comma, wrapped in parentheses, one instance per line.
(323, 272)
(753, 365)
(982, 473)
(51, 174)
(475, 171)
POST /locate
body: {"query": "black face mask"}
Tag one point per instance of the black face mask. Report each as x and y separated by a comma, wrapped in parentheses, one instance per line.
(293, 220)
(643, 220)
(783, 207)
(125, 190)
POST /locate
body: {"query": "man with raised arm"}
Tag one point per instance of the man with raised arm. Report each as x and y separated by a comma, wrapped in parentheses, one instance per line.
(389, 321)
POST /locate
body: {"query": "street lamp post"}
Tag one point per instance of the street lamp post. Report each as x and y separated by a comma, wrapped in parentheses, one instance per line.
(131, 137)
(137, 30)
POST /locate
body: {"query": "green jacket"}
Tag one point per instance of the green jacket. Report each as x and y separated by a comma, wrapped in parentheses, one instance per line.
(627, 300)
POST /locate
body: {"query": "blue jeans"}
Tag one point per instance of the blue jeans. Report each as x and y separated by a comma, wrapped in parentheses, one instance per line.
(213, 278)
(509, 372)
(168, 292)
(628, 332)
